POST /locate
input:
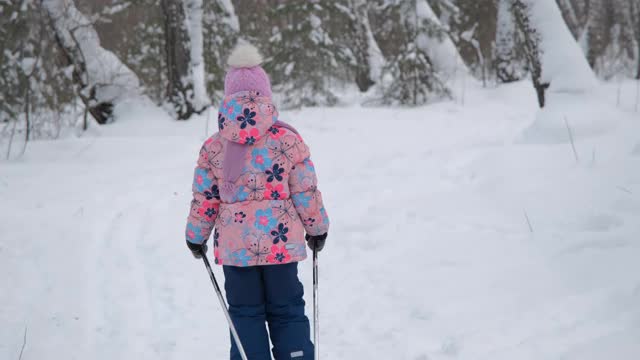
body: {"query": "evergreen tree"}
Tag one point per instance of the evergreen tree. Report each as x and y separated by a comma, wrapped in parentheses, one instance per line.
(34, 86)
(139, 42)
(305, 62)
(405, 30)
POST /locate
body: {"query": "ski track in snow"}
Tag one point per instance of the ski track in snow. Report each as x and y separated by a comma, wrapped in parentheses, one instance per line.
(429, 257)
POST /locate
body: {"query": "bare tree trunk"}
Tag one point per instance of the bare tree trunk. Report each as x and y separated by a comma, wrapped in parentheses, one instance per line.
(369, 56)
(531, 42)
(637, 14)
(638, 74)
(13, 133)
(177, 47)
(27, 109)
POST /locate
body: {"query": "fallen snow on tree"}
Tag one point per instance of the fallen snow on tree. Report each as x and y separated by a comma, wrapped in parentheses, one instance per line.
(112, 79)
(441, 50)
(564, 65)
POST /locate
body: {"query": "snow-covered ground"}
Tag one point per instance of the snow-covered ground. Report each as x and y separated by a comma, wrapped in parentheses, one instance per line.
(430, 255)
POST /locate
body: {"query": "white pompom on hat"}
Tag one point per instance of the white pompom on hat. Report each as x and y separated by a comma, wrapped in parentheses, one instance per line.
(245, 72)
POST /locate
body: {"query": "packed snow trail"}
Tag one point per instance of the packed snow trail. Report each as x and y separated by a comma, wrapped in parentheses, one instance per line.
(430, 255)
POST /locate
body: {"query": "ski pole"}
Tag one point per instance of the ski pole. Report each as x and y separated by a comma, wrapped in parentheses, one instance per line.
(236, 338)
(316, 325)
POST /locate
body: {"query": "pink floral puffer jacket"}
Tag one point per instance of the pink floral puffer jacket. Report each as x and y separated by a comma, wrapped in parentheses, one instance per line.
(255, 183)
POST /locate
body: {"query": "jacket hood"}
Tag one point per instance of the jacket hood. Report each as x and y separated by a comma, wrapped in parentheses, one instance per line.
(246, 116)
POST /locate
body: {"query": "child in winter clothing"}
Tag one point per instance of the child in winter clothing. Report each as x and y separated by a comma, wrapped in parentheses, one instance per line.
(255, 183)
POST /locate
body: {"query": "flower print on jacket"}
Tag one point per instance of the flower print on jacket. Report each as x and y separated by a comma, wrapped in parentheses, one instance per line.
(309, 165)
(221, 120)
(247, 118)
(208, 210)
(214, 152)
(260, 159)
(216, 237)
(275, 133)
(254, 186)
(194, 234)
(284, 150)
(308, 222)
(240, 257)
(239, 217)
(213, 193)
(279, 254)
(249, 137)
(231, 107)
(241, 195)
(325, 217)
(250, 99)
(275, 173)
(265, 220)
(280, 234)
(201, 181)
(274, 192)
(259, 247)
(301, 199)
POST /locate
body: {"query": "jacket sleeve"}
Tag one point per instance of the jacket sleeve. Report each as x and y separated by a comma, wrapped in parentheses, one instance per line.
(205, 203)
(307, 199)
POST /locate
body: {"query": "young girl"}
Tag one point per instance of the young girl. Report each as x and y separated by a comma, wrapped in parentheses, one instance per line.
(255, 183)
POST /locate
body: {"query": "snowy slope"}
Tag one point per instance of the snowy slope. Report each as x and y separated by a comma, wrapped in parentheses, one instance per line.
(430, 255)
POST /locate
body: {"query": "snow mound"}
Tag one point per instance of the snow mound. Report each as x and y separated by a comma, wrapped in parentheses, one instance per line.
(636, 151)
(244, 55)
(569, 113)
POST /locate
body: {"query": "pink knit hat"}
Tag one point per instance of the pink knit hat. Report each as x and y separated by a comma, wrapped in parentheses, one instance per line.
(245, 72)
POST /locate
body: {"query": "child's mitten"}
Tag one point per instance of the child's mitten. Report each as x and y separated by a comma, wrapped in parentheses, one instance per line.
(197, 249)
(316, 241)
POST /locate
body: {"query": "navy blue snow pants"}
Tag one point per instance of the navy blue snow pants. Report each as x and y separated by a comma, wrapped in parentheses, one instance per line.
(271, 294)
